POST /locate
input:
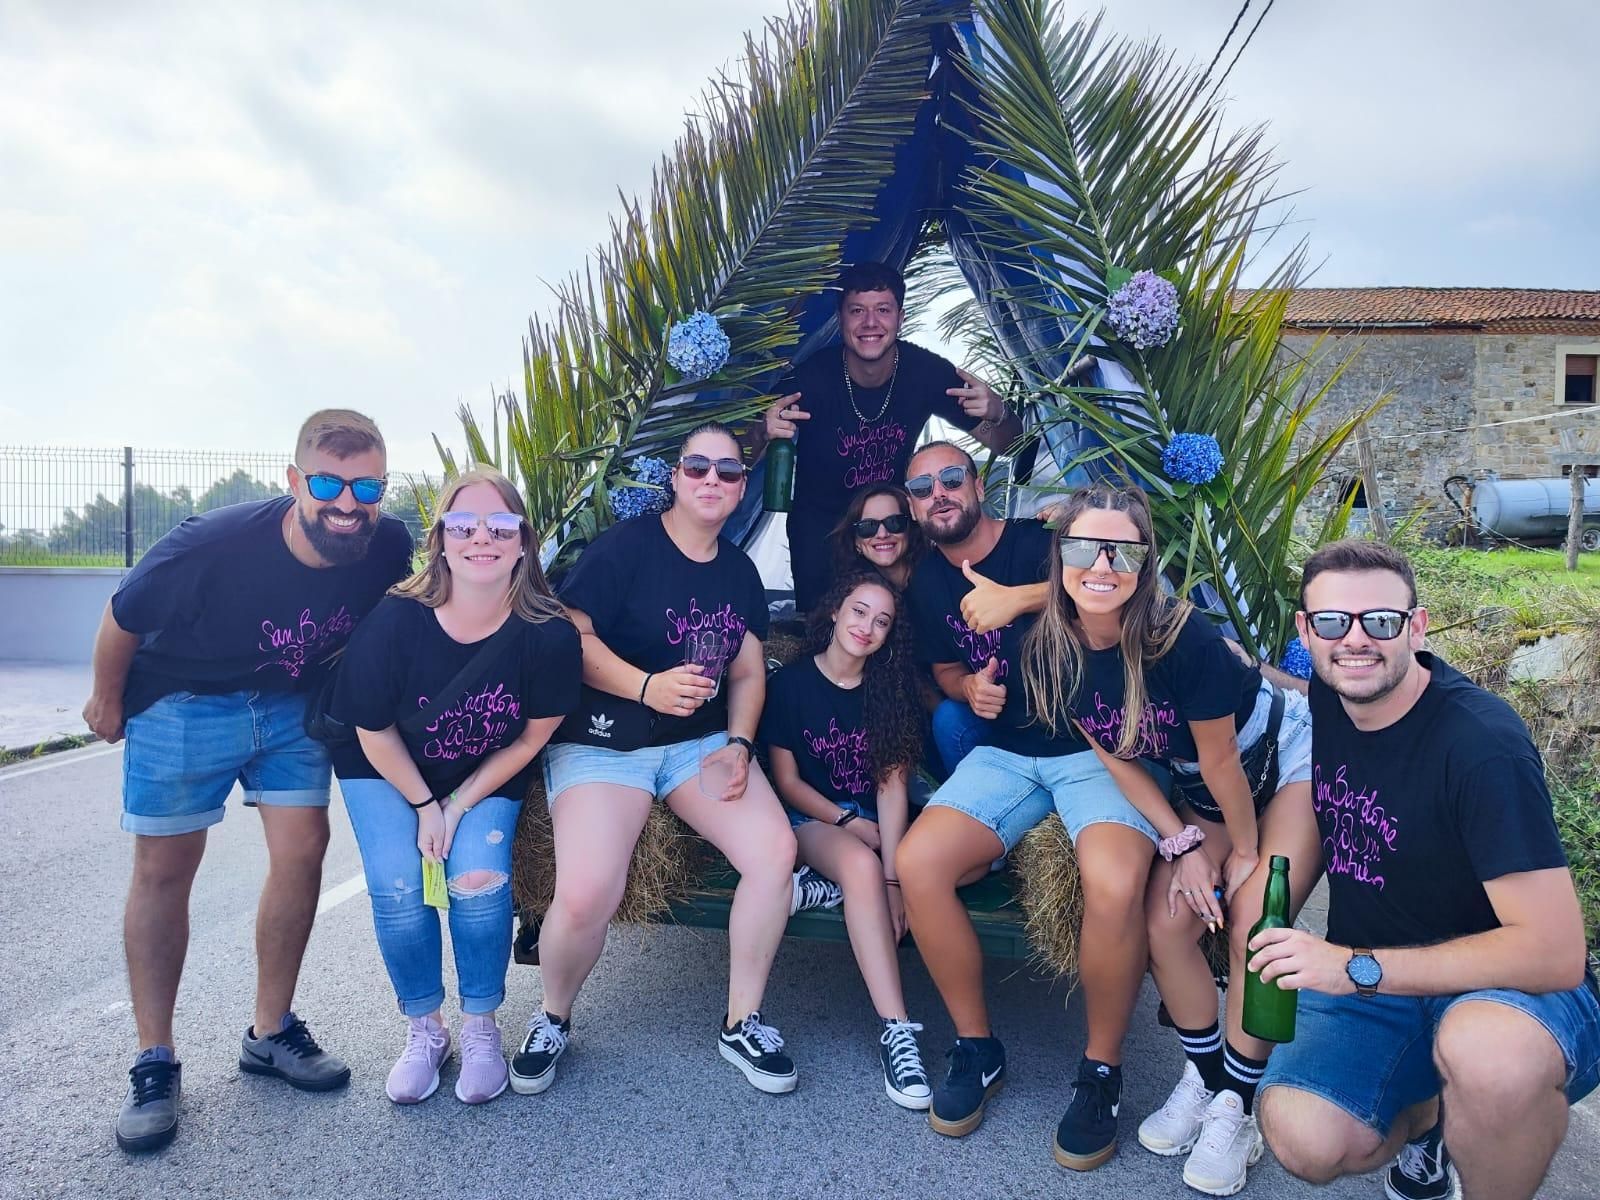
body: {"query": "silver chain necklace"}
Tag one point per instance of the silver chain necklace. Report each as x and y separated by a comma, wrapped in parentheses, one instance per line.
(850, 391)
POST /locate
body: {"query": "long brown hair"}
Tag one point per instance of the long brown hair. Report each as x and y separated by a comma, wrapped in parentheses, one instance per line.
(846, 558)
(1053, 654)
(531, 597)
(889, 705)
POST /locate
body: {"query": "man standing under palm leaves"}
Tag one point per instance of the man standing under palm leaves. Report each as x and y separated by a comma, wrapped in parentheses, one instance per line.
(864, 403)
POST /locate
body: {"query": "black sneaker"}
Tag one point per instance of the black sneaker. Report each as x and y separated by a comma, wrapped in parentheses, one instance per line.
(533, 1067)
(1087, 1135)
(807, 889)
(755, 1049)
(149, 1116)
(977, 1072)
(903, 1077)
(293, 1056)
(1423, 1170)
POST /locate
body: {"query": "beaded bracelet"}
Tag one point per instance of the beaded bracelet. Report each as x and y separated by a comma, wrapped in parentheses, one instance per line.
(1181, 842)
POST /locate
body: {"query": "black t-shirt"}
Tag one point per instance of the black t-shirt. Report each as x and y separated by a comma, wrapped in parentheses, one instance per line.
(1415, 817)
(1019, 557)
(1199, 679)
(651, 605)
(224, 607)
(399, 658)
(821, 724)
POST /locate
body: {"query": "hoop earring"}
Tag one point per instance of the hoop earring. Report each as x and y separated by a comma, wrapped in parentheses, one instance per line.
(889, 657)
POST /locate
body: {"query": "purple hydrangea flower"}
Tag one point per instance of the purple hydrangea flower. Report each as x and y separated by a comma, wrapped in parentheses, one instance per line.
(1192, 458)
(1144, 311)
(629, 501)
(696, 346)
(1296, 660)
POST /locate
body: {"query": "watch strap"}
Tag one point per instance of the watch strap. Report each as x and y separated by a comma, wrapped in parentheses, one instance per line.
(1364, 990)
(749, 746)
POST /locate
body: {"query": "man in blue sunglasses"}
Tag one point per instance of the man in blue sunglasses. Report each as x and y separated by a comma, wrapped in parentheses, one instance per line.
(204, 661)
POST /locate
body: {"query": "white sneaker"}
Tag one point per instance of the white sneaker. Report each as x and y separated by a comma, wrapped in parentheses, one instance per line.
(1229, 1143)
(1173, 1128)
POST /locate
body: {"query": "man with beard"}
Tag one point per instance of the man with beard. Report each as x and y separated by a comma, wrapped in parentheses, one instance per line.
(998, 792)
(204, 660)
(863, 404)
(1453, 974)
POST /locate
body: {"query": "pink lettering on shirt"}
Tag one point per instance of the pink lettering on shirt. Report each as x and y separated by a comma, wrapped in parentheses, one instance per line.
(303, 642)
(844, 752)
(473, 728)
(710, 637)
(979, 647)
(1103, 722)
(872, 452)
(1358, 831)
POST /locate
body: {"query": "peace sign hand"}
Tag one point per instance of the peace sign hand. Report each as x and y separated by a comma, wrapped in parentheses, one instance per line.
(977, 398)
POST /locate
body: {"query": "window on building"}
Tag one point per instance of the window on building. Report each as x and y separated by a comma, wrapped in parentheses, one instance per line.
(1580, 378)
(1353, 485)
(1590, 472)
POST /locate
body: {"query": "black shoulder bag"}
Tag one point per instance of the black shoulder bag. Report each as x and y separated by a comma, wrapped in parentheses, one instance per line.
(1260, 765)
(322, 726)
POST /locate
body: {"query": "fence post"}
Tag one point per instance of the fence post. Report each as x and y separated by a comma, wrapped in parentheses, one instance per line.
(127, 506)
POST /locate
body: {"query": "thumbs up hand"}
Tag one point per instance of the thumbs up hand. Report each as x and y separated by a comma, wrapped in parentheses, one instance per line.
(983, 694)
(989, 605)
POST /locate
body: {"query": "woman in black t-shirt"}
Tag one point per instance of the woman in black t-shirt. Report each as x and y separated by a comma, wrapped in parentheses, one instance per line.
(878, 534)
(843, 738)
(1145, 675)
(672, 616)
(453, 684)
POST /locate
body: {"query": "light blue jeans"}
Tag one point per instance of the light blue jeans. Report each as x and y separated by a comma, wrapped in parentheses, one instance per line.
(408, 930)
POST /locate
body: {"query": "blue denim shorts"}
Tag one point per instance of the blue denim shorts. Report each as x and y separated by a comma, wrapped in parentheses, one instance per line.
(186, 751)
(1373, 1057)
(1011, 793)
(797, 818)
(658, 770)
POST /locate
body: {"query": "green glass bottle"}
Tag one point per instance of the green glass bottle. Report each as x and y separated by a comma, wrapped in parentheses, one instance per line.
(779, 488)
(1268, 1009)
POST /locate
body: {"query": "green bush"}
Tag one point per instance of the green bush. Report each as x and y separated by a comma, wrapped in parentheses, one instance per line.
(1577, 804)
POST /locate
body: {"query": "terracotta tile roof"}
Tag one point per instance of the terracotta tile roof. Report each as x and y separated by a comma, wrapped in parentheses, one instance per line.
(1470, 308)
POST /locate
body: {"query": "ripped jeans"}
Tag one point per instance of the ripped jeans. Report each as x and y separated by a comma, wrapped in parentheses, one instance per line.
(408, 931)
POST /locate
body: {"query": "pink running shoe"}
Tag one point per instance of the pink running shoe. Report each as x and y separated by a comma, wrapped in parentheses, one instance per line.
(483, 1066)
(415, 1074)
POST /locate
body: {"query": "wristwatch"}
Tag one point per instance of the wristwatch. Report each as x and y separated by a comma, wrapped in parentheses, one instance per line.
(847, 816)
(749, 747)
(1365, 972)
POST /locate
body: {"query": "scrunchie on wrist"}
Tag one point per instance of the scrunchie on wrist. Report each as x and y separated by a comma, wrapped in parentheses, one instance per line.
(1181, 842)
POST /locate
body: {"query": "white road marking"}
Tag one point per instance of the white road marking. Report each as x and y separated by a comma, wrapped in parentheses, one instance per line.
(336, 896)
(64, 759)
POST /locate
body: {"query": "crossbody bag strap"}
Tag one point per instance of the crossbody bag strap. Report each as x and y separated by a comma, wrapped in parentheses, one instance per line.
(426, 715)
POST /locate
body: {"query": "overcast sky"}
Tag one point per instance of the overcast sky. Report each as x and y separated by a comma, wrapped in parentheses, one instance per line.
(217, 217)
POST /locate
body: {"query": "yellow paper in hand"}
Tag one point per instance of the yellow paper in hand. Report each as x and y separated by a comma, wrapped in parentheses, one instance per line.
(434, 891)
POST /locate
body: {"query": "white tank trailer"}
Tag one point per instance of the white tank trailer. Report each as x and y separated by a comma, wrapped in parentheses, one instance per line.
(1530, 510)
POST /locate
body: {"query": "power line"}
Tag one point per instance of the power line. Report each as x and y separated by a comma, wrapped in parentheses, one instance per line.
(1224, 44)
(1242, 47)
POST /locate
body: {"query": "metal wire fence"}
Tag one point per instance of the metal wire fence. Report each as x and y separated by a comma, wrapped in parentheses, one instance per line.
(69, 506)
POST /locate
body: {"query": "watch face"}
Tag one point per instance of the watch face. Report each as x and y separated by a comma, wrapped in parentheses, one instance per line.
(1364, 971)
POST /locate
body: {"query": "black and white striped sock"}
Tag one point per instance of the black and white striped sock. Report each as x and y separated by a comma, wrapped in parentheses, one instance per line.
(1243, 1075)
(1204, 1049)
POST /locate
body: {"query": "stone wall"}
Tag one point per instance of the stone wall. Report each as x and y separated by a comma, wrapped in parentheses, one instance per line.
(1521, 375)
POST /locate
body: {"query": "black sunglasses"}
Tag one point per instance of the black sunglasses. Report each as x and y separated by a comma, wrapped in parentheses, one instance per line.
(1381, 624)
(1125, 557)
(950, 479)
(698, 466)
(323, 486)
(868, 526)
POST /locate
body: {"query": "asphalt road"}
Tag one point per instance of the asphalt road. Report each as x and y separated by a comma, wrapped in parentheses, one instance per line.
(644, 1107)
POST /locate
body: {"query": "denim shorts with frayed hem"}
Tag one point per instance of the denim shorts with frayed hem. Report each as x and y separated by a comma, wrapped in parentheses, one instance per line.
(1011, 793)
(659, 770)
(1373, 1056)
(186, 751)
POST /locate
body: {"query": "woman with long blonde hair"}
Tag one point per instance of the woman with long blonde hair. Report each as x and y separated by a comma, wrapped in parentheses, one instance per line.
(1147, 676)
(453, 683)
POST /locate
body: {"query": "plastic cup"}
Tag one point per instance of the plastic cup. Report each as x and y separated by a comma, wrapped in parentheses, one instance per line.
(715, 776)
(705, 651)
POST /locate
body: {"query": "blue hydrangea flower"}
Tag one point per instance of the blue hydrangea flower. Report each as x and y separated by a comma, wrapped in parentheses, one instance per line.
(629, 501)
(1144, 311)
(1192, 458)
(1296, 660)
(696, 346)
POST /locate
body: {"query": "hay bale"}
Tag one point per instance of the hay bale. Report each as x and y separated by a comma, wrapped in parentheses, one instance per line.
(1051, 896)
(668, 863)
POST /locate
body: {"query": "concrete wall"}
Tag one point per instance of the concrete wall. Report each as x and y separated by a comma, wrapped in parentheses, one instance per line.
(50, 614)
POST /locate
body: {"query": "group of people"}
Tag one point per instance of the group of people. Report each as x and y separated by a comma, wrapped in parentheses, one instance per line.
(1033, 669)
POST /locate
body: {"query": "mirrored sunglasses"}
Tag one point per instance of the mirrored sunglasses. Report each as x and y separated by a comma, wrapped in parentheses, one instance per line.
(869, 526)
(503, 526)
(1125, 557)
(950, 479)
(368, 489)
(1381, 624)
(698, 466)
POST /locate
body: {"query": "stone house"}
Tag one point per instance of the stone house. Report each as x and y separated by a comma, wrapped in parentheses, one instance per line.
(1482, 380)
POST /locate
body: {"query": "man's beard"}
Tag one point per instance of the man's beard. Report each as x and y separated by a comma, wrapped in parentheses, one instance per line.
(1394, 674)
(949, 535)
(340, 549)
